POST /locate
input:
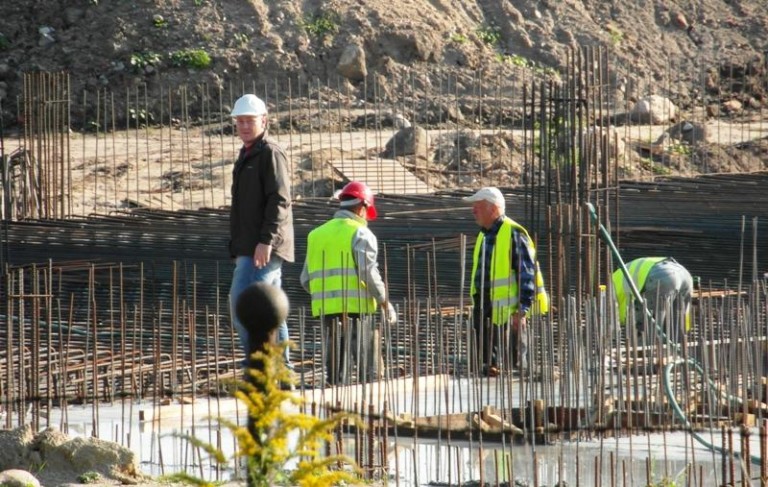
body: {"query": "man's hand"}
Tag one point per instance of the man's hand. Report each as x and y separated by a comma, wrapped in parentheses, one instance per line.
(390, 315)
(519, 321)
(261, 255)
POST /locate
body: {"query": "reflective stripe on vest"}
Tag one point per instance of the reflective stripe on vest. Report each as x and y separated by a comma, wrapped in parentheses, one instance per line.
(638, 270)
(334, 284)
(504, 291)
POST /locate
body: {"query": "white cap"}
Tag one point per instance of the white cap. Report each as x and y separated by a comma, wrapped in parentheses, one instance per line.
(489, 194)
(249, 105)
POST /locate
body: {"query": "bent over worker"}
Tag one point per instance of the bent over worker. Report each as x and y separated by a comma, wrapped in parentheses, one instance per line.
(665, 285)
(506, 281)
(341, 273)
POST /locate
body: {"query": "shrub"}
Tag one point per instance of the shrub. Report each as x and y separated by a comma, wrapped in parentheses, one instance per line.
(489, 35)
(89, 477)
(459, 38)
(159, 22)
(191, 58)
(321, 25)
(140, 60)
(264, 443)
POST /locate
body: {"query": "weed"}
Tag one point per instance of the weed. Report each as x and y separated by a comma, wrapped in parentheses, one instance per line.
(321, 25)
(514, 59)
(191, 58)
(142, 117)
(140, 60)
(4, 43)
(265, 443)
(616, 34)
(89, 477)
(159, 22)
(459, 38)
(545, 70)
(490, 35)
(241, 38)
(680, 149)
(677, 480)
(657, 169)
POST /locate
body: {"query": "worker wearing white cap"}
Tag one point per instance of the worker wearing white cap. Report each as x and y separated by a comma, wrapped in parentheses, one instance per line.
(507, 285)
(261, 217)
(665, 285)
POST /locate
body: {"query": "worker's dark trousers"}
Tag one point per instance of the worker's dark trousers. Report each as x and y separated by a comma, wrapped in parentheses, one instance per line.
(352, 348)
(487, 338)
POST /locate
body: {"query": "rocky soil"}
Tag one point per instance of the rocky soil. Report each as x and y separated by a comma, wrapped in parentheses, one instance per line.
(119, 45)
(709, 56)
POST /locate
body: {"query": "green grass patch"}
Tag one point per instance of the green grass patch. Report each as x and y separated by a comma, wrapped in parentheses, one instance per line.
(321, 25)
(489, 34)
(191, 58)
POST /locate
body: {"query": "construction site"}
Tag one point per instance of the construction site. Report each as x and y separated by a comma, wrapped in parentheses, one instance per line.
(116, 276)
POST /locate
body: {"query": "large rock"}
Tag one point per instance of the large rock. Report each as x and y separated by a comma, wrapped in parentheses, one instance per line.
(352, 63)
(14, 447)
(86, 454)
(689, 132)
(57, 455)
(408, 141)
(18, 478)
(653, 109)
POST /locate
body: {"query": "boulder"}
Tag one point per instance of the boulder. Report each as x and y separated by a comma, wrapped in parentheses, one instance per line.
(14, 445)
(18, 478)
(86, 454)
(352, 63)
(653, 109)
(408, 141)
(689, 132)
(56, 454)
(733, 106)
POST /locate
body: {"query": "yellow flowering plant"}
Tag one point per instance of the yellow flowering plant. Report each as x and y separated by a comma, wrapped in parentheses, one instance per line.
(275, 437)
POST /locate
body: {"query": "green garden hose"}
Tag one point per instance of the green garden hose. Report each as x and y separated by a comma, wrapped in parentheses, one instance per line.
(667, 376)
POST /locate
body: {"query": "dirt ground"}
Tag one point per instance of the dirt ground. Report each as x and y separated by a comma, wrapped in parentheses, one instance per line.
(707, 56)
(171, 169)
(124, 46)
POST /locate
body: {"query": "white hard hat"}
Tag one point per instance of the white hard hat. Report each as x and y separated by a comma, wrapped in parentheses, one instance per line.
(250, 105)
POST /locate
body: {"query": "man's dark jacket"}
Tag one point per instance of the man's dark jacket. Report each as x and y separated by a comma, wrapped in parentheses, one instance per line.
(261, 201)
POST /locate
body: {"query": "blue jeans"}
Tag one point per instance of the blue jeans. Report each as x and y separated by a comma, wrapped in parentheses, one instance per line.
(246, 274)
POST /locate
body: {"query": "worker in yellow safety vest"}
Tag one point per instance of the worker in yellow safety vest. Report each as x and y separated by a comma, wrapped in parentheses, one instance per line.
(341, 274)
(665, 285)
(506, 285)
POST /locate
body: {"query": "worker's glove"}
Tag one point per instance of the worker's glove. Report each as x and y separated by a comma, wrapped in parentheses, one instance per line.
(389, 315)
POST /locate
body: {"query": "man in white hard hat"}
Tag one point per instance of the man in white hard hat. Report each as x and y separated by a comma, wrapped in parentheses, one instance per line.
(507, 285)
(261, 217)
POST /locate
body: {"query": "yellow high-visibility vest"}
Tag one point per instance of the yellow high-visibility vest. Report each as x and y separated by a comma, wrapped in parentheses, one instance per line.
(504, 289)
(638, 271)
(334, 283)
